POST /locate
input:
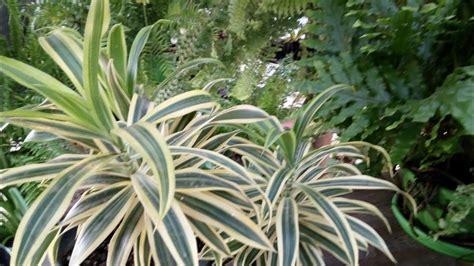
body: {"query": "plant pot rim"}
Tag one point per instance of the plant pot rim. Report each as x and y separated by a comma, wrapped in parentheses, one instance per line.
(442, 247)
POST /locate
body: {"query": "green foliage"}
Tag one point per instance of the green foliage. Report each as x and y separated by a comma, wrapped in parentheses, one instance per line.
(410, 66)
(460, 216)
(148, 156)
(14, 202)
(238, 33)
(158, 176)
(302, 216)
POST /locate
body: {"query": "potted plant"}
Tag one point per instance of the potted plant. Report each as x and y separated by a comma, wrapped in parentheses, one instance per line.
(158, 177)
(438, 174)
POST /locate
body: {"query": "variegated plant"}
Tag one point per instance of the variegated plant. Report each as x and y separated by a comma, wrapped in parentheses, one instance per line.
(155, 176)
(304, 209)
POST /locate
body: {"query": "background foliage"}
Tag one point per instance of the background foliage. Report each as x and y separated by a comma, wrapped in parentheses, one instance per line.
(410, 64)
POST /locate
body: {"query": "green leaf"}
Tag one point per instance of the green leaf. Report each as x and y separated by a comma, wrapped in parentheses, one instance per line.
(121, 243)
(139, 106)
(313, 107)
(89, 204)
(32, 172)
(212, 211)
(159, 250)
(215, 158)
(367, 233)
(146, 140)
(183, 69)
(49, 208)
(180, 105)
(96, 24)
(337, 220)
(98, 227)
(194, 179)
(67, 52)
(210, 237)
(135, 51)
(178, 236)
(287, 232)
(117, 50)
(56, 92)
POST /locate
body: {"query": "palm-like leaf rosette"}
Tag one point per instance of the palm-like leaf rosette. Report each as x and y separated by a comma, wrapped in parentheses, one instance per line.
(304, 209)
(160, 176)
(155, 176)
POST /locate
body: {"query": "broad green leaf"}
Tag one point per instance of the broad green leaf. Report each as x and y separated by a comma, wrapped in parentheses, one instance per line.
(256, 154)
(277, 183)
(39, 136)
(148, 193)
(240, 114)
(359, 206)
(118, 98)
(353, 182)
(208, 209)
(310, 255)
(146, 140)
(288, 142)
(104, 178)
(40, 254)
(216, 158)
(183, 69)
(50, 206)
(287, 232)
(315, 236)
(337, 220)
(316, 156)
(98, 227)
(141, 249)
(63, 129)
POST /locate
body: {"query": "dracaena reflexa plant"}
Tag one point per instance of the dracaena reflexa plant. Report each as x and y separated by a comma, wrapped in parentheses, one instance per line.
(304, 209)
(156, 175)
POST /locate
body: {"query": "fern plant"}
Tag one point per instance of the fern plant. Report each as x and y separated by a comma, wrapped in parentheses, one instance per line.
(395, 57)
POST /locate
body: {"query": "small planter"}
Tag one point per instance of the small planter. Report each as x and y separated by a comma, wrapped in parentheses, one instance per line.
(442, 247)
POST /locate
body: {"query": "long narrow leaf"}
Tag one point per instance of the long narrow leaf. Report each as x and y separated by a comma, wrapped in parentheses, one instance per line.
(287, 232)
(205, 208)
(178, 236)
(337, 219)
(121, 243)
(49, 207)
(145, 139)
(96, 24)
(98, 227)
(67, 53)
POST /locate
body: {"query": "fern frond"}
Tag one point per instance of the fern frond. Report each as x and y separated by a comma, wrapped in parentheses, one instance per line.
(285, 8)
(238, 17)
